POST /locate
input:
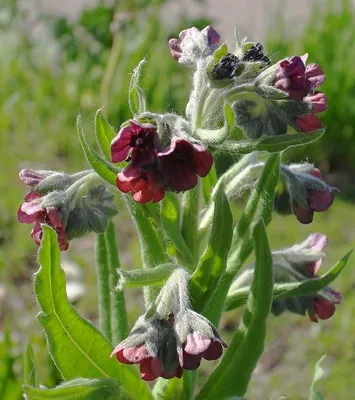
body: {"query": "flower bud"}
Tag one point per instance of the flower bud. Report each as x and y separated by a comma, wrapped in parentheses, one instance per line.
(295, 264)
(71, 204)
(194, 45)
(301, 262)
(170, 337)
(308, 193)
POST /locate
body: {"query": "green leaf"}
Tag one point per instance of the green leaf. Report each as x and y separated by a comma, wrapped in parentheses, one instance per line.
(136, 97)
(170, 216)
(78, 389)
(213, 262)
(189, 220)
(29, 367)
(247, 344)
(307, 287)
(271, 144)
(99, 165)
(144, 276)
(318, 374)
(104, 134)
(208, 184)
(78, 349)
(260, 204)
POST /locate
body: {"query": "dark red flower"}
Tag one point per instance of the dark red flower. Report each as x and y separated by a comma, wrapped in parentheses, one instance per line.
(32, 212)
(150, 366)
(296, 78)
(138, 141)
(143, 185)
(197, 347)
(181, 162)
(318, 201)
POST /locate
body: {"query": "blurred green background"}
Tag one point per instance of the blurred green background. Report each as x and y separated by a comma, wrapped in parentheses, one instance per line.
(52, 67)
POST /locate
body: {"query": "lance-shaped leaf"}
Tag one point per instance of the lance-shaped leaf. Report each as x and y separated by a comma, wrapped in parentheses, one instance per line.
(170, 217)
(144, 277)
(213, 262)
(78, 389)
(29, 367)
(271, 144)
(238, 297)
(136, 97)
(104, 134)
(260, 204)
(78, 349)
(102, 167)
(233, 373)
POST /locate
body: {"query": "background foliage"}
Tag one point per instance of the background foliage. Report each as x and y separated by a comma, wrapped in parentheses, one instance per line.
(52, 68)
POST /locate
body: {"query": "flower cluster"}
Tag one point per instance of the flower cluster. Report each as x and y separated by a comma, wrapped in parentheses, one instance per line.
(172, 338)
(152, 169)
(301, 262)
(298, 263)
(300, 81)
(306, 191)
(72, 205)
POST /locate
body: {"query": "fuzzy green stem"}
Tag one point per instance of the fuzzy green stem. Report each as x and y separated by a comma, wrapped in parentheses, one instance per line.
(103, 287)
(119, 321)
(189, 224)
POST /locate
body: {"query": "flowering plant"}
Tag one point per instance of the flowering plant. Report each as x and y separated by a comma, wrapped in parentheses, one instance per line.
(192, 250)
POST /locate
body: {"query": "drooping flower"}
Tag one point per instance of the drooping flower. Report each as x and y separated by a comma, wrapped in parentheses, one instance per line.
(70, 204)
(194, 44)
(181, 162)
(198, 339)
(306, 191)
(298, 263)
(305, 260)
(32, 212)
(296, 78)
(144, 185)
(317, 200)
(172, 337)
(138, 141)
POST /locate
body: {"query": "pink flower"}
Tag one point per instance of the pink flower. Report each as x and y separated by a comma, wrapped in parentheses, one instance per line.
(208, 38)
(150, 365)
(296, 78)
(197, 347)
(30, 177)
(143, 185)
(181, 162)
(32, 212)
(138, 141)
(318, 201)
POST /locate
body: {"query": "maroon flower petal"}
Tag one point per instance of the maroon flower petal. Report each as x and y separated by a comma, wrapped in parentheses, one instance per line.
(31, 196)
(150, 369)
(315, 75)
(308, 123)
(323, 308)
(37, 233)
(304, 215)
(30, 212)
(213, 352)
(319, 101)
(320, 201)
(120, 145)
(190, 361)
(203, 160)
